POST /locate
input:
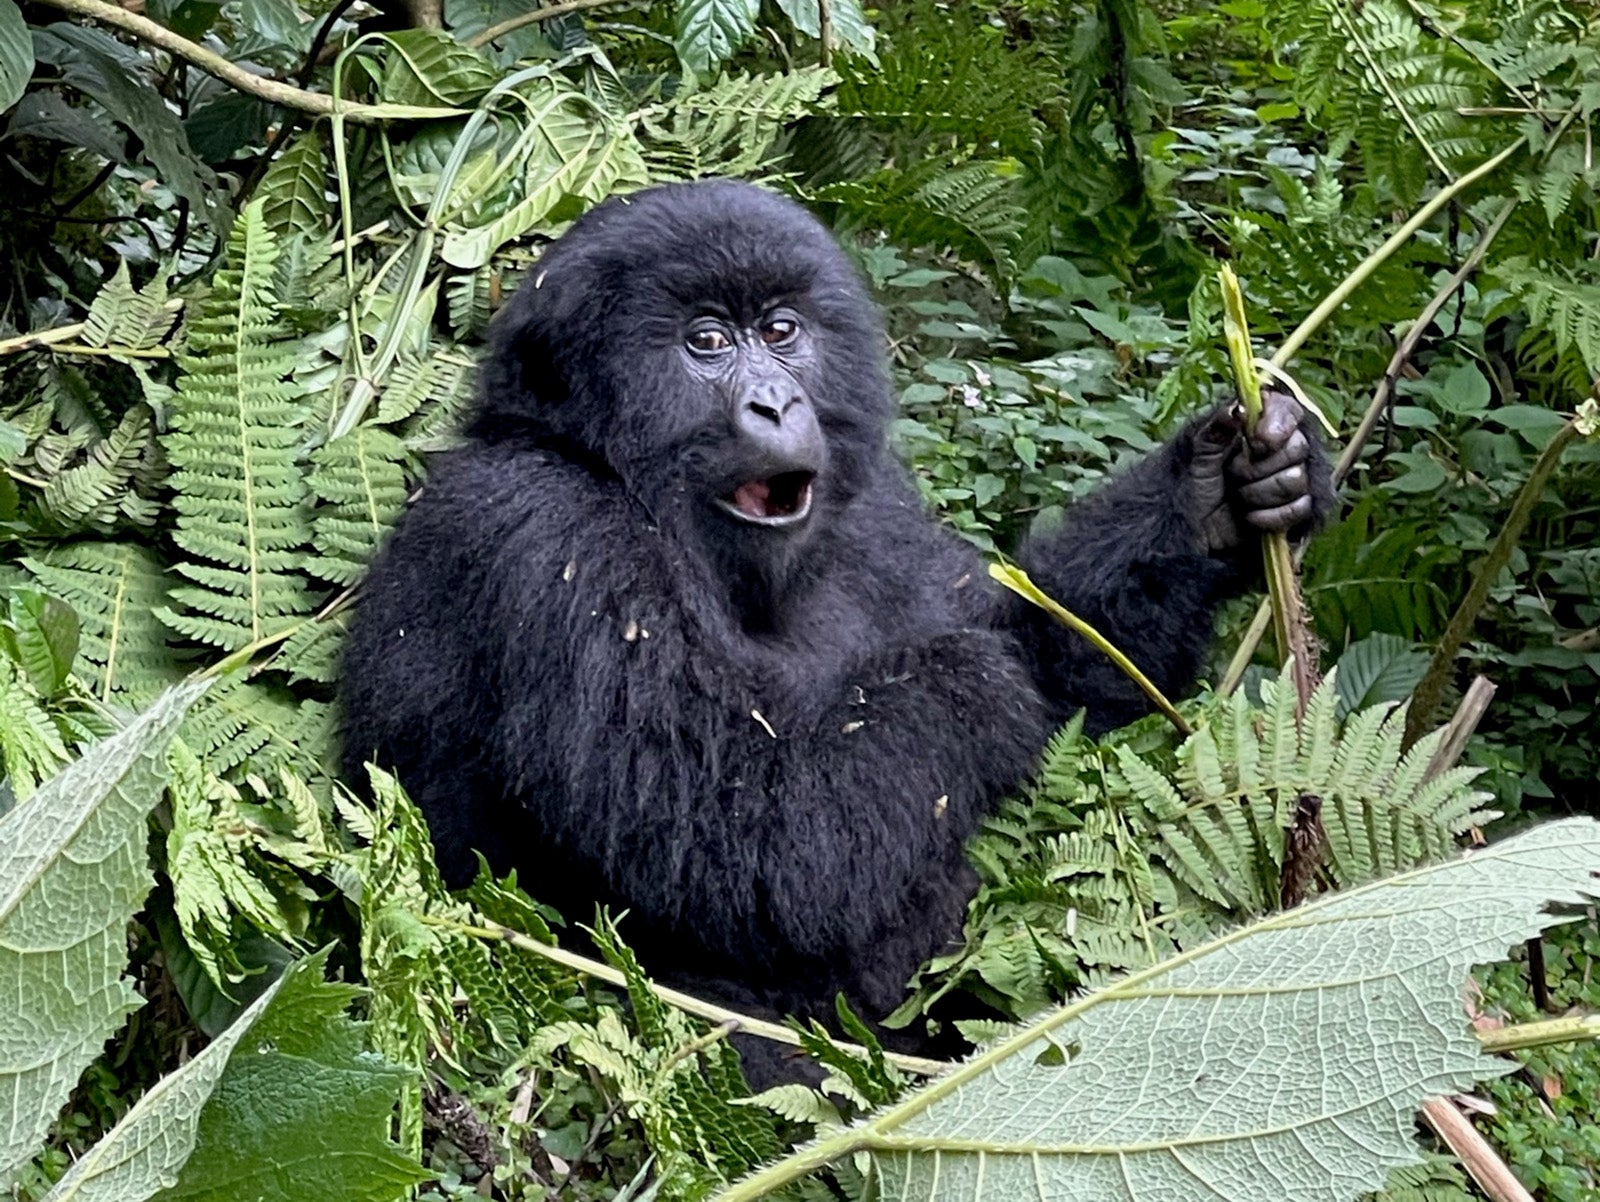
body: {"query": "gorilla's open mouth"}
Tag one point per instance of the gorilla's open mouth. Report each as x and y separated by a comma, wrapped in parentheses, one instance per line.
(780, 500)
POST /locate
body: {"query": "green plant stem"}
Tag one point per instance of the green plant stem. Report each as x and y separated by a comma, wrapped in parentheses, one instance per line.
(1283, 588)
(1246, 651)
(550, 11)
(1017, 581)
(1574, 1028)
(1365, 269)
(494, 932)
(1425, 700)
(317, 103)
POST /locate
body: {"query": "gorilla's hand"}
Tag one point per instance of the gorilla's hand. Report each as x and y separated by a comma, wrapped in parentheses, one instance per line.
(1274, 480)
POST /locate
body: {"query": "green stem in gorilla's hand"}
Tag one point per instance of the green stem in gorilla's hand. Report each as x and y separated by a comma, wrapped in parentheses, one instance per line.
(1018, 581)
(1283, 589)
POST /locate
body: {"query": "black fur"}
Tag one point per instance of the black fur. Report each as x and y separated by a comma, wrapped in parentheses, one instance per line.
(770, 751)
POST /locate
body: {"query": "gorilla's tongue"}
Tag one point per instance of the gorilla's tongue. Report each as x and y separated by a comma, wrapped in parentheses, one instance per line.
(752, 498)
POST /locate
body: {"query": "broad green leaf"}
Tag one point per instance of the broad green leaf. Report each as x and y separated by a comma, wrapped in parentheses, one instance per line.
(44, 631)
(1379, 668)
(850, 26)
(16, 54)
(427, 67)
(1283, 1060)
(1423, 473)
(303, 1112)
(92, 62)
(73, 869)
(294, 191)
(144, 1152)
(711, 31)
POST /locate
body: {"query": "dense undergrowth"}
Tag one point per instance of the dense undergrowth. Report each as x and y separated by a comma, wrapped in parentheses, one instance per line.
(233, 327)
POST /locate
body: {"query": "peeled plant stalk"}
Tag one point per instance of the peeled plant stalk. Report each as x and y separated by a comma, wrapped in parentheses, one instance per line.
(1283, 589)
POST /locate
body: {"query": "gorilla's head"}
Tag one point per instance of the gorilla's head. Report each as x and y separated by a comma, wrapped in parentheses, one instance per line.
(711, 347)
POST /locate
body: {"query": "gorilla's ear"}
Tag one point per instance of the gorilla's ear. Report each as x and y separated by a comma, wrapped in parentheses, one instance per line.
(523, 382)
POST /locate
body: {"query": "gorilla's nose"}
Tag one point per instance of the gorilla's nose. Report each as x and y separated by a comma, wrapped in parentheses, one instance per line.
(776, 417)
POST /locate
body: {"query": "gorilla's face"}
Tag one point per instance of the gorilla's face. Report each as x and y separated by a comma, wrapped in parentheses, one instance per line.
(761, 448)
(709, 345)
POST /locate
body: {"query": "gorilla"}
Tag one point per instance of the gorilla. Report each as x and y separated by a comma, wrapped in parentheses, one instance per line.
(673, 633)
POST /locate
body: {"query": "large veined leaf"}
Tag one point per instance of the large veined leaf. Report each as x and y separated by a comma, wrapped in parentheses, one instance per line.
(73, 869)
(144, 1152)
(16, 54)
(711, 31)
(1284, 1060)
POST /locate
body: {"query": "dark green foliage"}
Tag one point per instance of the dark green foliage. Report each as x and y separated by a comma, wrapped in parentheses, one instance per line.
(1039, 195)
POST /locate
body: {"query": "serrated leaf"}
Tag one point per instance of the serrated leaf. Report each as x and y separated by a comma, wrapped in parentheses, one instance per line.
(144, 1152)
(711, 31)
(1283, 1060)
(73, 869)
(16, 54)
(303, 1112)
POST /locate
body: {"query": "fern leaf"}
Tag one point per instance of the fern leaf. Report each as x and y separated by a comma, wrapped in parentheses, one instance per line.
(115, 588)
(121, 316)
(362, 487)
(236, 427)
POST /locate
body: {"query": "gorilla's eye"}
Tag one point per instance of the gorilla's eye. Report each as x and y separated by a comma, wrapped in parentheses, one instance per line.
(779, 330)
(709, 340)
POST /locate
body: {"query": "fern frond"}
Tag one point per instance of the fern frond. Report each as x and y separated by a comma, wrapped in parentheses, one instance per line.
(115, 589)
(122, 316)
(361, 487)
(240, 495)
(732, 127)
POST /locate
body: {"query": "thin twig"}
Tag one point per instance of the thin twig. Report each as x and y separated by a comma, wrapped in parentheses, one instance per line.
(548, 12)
(1474, 1152)
(1425, 699)
(1460, 727)
(1476, 1156)
(41, 339)
(747, 1025)
(825, 34)
(1408, 344)
(319, 103)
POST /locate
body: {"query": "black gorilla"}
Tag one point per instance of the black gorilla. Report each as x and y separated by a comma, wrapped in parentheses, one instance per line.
(673, 632)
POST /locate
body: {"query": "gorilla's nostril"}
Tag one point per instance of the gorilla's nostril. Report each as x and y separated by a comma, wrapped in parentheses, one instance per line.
(770, 412)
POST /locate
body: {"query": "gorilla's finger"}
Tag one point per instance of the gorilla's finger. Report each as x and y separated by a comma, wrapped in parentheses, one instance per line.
(1281, 488)
(1292, 452)
(1280, 421)
(1282, 518)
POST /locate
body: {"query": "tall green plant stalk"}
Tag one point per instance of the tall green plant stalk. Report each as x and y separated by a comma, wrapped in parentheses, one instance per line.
(1283, 588)
(1425, 700)
(1369, 422)
(1331, 304)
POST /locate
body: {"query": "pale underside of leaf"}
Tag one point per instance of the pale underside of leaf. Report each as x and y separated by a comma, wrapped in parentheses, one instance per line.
(144, 1152)
(73, 869)
(1285, 1060)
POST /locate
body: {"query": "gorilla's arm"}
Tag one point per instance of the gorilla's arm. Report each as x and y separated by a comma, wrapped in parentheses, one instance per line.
(1136, 560)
